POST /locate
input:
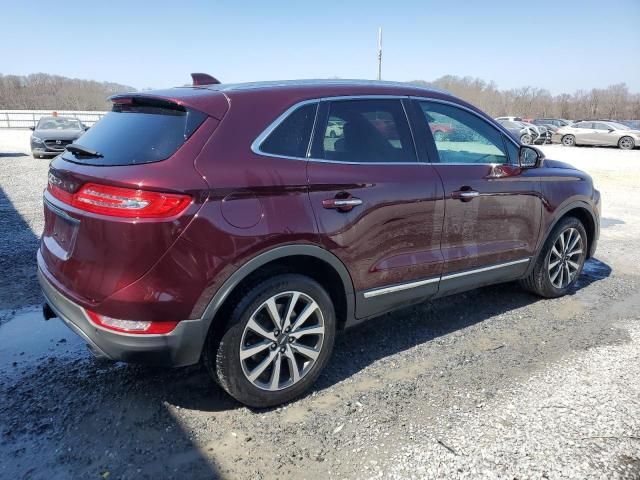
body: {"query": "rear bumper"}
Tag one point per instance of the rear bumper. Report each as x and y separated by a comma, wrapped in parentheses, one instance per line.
(179, 348)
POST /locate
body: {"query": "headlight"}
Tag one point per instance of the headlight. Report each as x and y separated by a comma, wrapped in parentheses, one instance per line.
(35, 139)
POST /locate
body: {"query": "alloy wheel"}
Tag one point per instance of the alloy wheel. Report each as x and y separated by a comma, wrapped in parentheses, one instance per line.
(568, 140)
(282, 340)
(626, 143)
(526, 139)
(565, 258)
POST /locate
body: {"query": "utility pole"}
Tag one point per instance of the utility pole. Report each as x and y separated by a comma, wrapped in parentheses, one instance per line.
(380, 53)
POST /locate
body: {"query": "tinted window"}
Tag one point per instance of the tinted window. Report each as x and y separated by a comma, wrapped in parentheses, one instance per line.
(367, 131)
(143, 131)
(470, 140)
(291, 137)
(601, 126)
(583, 125)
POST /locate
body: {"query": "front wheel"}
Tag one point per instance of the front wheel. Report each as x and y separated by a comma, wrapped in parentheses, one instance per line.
(626, 143)
(560, 261)
(526, 139)
(278, 340)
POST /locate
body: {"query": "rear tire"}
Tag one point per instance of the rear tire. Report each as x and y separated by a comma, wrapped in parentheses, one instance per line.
(286, 362)
(569, 141)
(560, 261)
(626, 143)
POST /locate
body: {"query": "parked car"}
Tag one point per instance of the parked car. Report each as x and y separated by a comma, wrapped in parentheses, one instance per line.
(598, 133)
(52, 134)
(441, 131)
(542, 133)
(556, 122)
(509, 119)
(188, 225)
(526, 135)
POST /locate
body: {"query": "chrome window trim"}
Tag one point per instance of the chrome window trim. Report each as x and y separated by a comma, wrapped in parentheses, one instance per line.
(255, 146)
(406, 286)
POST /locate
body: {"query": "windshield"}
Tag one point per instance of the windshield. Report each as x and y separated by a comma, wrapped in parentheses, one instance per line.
(59, 123)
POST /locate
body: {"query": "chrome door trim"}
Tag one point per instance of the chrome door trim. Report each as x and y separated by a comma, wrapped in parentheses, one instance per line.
(484, 269)
(406, 286)
(397, 288)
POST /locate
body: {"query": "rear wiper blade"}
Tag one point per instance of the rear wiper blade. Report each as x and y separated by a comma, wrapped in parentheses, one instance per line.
(83, 151)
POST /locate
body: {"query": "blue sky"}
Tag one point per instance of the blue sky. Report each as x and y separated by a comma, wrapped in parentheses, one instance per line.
(566, 45)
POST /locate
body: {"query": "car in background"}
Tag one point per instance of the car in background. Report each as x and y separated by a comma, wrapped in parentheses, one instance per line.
(524, 134)
(555, 122)
(51, 135)
(511, 119)
(598, 133)
(441, 131)
(543, 135)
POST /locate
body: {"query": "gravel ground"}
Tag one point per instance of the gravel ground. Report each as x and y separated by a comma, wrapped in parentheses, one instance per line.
(494, 383)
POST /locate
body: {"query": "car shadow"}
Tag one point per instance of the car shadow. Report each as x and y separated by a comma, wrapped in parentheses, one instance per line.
(12, 154)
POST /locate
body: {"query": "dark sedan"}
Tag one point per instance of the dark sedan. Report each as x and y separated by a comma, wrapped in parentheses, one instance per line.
(52, 134)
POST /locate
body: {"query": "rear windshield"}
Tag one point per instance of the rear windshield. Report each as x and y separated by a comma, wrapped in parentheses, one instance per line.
(142, 131)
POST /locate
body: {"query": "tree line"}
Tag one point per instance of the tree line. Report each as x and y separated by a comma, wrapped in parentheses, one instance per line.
(41, 91)
(615, 102)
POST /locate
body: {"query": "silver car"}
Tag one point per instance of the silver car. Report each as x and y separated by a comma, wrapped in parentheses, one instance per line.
(526, 135)
(597, 133)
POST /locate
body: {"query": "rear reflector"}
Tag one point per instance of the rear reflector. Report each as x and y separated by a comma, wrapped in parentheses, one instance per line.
(123, 202)
(132, 326)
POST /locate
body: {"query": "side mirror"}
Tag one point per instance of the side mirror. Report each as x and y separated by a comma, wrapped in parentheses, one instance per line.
(32, 128)
(611, 130)
(530, 157)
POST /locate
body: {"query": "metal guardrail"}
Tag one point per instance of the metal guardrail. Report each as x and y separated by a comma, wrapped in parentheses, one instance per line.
(29, 118)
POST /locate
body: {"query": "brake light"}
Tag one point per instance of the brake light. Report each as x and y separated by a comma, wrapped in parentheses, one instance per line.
(123, 202)
(132, 326)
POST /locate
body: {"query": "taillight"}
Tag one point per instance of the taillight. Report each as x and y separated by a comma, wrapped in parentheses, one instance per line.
(132, 326)
(123, 202)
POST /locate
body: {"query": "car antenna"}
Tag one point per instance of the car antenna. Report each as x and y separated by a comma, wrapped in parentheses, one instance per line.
(203, 79)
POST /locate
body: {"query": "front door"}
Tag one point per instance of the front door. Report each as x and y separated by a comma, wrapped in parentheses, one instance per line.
(493, 208)
(378, 209)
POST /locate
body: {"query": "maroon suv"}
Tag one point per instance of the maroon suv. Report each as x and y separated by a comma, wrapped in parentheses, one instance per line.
(235, 224)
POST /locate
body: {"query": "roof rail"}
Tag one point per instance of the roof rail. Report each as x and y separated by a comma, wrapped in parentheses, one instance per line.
(203, 79)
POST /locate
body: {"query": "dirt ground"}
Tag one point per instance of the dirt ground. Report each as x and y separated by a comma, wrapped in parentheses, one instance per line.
(494, 383)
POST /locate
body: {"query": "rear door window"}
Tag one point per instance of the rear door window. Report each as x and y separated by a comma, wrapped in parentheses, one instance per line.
(142, 131)
(367, 131)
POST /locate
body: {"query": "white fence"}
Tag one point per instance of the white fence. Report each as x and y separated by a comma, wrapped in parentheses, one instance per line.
(29, 118)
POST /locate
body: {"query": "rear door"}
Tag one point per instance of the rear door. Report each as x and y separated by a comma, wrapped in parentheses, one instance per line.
(378, 209)
(585, 133)
(604, 135)
(493, 208)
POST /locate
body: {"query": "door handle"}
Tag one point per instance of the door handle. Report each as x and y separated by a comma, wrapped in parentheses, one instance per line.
(342, 204)
(464, 195)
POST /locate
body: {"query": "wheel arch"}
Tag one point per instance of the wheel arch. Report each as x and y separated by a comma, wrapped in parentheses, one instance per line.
(583, 212)
(321, 265)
